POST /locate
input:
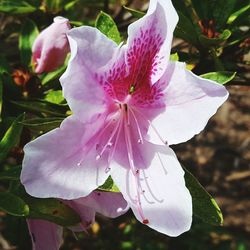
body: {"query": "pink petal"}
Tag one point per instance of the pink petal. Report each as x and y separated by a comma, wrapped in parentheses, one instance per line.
(62, 163)
(164, 202)
(143, 60)
(90, 50)
(106, 203)
(51, 46)
(190, 101)
(45, 235)
(86, 213)
(149, 42)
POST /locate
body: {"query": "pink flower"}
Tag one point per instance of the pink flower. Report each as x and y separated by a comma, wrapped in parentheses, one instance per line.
(49, 236)
(129, 103)
(51, 46)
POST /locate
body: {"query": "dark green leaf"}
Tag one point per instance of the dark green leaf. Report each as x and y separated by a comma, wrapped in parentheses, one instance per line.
(55, 6)
(222, 9)
(134, 13)
(4, 66)
(210, 42)
(204, 206)
(203, 9)
(13, 205)
(12, 173)
(16, 7)
(43, 124)
(1, 96)
(109, 186)
(27, 37)
(52, 210)
(41, 106)
(11, 137)
(107, 26)
(221, 77)
(186, 30)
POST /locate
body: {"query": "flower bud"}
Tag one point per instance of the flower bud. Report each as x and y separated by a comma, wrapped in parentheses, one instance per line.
(51, 46)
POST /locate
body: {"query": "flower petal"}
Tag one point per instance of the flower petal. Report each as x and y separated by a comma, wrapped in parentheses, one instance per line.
(87, 214)
(45, 235)
(51, 46)
(165, 203)
(149, 42)
(106, 203)
(190, 101)
(61, 164)
(90, 50)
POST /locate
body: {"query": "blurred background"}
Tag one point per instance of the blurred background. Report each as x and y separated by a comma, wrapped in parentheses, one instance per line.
(210, 36)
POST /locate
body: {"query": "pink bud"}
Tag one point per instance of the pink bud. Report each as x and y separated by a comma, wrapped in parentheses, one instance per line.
(51, 46)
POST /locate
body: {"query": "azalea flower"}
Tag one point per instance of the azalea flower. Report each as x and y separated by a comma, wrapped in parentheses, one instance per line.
(49, 236)
(129, 104)
(51, 46)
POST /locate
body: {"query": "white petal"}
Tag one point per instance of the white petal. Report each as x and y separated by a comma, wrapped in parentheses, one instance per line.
(165, 201)
(190, 102)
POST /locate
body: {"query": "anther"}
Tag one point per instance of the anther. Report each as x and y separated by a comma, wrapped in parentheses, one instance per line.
(107, 169)
(139, 141)
(145, 221)
(98, 157)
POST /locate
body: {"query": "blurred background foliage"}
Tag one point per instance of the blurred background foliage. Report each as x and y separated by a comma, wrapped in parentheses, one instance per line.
(211, 36)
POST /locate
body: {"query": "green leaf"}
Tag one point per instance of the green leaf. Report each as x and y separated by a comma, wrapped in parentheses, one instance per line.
(42, 106)
(42, 124)
(204, 206)
(13, 205)
(16, 7)
(12, 173)
(1, 96)
(109, 186)
(238, 13)
(107, 26)
(54, 6)
(221, 77)
(27, 37)
(210, 42)
(52, 210)
(134, 13)
(174, 57)
(70, 5)
(54, 96)
(11, 137)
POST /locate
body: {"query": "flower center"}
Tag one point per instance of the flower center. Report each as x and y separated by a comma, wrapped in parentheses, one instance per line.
(132, 89)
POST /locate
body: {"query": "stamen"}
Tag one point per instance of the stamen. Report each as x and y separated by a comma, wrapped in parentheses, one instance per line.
(91, 143)
(153, 127)
(164, 169)
(134, 171)
(109, 143)
(110, 157)
(150, 190)
(140, 140)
